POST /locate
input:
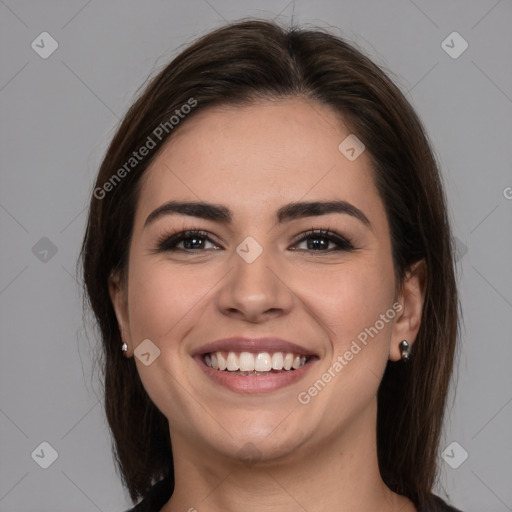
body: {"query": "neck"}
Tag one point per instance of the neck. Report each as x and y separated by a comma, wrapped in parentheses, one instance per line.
(339, 473)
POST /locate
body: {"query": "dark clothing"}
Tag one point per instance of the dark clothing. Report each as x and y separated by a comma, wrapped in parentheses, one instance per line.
(440, 506)
(160, 494)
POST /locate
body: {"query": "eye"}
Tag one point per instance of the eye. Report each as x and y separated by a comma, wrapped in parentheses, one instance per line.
(318, 240)
(192, 240)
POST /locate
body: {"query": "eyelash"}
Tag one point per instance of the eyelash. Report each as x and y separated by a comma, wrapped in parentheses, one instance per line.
(168, 243)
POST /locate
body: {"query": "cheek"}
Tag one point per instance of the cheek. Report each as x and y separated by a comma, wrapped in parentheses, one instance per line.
(348, 305)
(349, 299)
(160, 297)
(163, 301)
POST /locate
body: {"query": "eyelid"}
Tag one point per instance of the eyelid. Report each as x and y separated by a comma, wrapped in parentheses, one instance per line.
(343, 242)
(167, 242)
(177, 236)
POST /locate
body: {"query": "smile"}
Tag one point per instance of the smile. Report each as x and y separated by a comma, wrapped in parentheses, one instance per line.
(246, 364)
(254, 364)
(271, 371)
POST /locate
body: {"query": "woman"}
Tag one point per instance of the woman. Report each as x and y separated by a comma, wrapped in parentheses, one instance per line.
(269, 260)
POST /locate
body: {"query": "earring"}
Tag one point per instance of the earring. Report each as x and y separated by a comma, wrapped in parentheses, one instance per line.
(124, 348)
(405, 350)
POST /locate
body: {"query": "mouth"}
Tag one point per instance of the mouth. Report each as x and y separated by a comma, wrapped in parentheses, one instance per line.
(247, 363)
(254, 365)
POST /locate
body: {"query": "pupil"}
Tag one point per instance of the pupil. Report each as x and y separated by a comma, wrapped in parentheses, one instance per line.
(192, 241)
(315, 245)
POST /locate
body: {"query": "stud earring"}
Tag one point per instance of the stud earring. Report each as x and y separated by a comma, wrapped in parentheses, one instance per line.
(405, 350)
(124, 348)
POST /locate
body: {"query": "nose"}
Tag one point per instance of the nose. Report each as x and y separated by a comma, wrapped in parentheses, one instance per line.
(255, 291)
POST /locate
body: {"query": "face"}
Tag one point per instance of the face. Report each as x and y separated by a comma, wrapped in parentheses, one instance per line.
(268, 279)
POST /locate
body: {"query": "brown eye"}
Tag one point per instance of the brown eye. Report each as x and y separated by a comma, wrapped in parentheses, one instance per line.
(319, 240)
(192, 240)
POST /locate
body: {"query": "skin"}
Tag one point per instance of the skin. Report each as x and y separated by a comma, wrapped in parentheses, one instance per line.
(253, 160)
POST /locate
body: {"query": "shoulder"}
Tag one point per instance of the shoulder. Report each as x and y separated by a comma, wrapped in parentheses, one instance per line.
(156, 498)
(438, 505)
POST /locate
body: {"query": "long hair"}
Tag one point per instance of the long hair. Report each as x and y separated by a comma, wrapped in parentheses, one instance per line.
(242, 63)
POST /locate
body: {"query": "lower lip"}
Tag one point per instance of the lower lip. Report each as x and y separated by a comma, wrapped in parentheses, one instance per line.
(256, 383)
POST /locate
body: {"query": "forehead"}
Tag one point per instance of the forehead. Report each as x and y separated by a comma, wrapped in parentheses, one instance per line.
(258, 157)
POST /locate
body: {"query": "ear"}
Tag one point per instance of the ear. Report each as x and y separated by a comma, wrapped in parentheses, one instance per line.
(118, 296)
(408, 319)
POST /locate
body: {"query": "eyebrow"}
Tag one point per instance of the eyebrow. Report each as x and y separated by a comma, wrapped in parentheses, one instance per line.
(286, 213)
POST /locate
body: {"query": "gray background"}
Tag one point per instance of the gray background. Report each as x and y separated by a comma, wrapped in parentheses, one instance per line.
(57, 116)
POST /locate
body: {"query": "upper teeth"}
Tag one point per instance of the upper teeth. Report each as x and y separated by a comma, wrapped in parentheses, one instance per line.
(260, 362)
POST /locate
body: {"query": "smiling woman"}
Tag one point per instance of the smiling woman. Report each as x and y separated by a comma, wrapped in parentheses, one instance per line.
(274, 283)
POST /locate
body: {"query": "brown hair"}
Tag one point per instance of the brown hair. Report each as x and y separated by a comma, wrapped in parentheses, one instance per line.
(239, 64)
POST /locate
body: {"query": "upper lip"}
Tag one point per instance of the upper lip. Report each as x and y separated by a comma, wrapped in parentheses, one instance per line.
(253, 344)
